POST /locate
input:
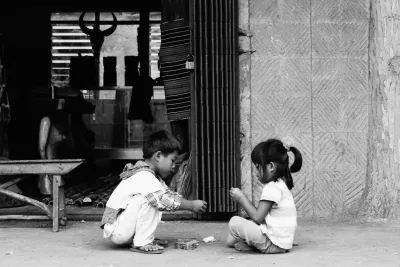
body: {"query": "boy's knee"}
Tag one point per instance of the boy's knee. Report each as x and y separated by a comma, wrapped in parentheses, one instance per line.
(119, 239)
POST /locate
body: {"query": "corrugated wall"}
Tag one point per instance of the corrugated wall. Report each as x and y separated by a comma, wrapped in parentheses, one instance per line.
(309, 79)
(215, 112)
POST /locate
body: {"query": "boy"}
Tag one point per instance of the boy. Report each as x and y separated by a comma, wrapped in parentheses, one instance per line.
(133, 210)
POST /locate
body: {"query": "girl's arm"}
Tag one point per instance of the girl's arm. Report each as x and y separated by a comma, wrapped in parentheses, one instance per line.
(256, 214)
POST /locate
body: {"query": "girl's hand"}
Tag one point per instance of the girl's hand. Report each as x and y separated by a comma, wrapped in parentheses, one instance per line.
(236, 194)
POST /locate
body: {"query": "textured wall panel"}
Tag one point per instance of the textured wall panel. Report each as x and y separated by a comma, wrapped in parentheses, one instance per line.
(281, 84)
(340, 103)
(309, 81)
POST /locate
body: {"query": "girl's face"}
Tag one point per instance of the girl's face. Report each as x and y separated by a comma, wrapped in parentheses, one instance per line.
(269, 169)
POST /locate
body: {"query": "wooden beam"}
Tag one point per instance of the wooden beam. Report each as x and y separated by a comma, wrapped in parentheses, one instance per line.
(57, 167)
(144, 39)
(12, 182)
(382, 191)
(24, 217)
(27, 200)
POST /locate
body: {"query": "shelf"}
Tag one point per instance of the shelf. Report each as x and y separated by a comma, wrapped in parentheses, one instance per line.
(118, 153)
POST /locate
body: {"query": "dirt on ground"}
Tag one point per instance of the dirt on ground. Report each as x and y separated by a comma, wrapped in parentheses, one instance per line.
(321, 243)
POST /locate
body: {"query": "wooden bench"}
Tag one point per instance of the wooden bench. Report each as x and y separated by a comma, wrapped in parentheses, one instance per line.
(55, 168)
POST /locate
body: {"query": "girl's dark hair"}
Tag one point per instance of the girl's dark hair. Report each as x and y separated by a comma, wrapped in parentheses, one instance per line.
(162, 141)
(274, 151)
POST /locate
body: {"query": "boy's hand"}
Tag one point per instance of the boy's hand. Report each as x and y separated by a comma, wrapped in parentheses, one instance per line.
(236, 194)
(199, 206)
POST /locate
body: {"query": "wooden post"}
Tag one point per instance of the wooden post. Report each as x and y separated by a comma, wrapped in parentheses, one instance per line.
(246, 182)
(61, 202)
(144, 39)
(382, 190)
(55, 205)
(58, 202)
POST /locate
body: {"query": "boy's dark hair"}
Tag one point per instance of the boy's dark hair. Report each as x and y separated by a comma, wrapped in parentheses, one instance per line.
(274, 151)
(162, 141)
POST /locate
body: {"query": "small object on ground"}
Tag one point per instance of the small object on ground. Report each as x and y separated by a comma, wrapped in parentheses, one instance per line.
(231, 258)
(63, 221)
(295, 244)
(160, 242)
(10, 252)
(187, 243)
(83, 221)
(209, 239)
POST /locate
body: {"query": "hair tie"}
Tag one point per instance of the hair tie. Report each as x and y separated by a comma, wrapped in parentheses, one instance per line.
(287, 142)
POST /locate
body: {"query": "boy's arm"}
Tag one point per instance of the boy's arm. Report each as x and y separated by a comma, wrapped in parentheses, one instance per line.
(193, 205)
(169, 191)
(163, 200)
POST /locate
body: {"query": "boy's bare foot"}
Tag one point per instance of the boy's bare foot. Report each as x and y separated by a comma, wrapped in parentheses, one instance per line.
(149, 248)
(242, 246)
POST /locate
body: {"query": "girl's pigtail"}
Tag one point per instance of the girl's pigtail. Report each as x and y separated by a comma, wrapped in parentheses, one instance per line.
(289, 180)
(296, 166)
(298, 160)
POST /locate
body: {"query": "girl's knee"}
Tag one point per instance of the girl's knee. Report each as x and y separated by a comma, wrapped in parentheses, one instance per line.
(234, 230)
(235, 221)
(231, 241)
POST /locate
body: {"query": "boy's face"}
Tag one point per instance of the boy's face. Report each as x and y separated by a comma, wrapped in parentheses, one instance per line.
(165, 163)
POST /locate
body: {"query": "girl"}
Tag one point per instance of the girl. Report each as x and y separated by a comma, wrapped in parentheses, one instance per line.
(274, 221)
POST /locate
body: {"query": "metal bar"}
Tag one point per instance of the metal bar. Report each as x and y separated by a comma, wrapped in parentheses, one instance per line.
(226, 91)
(231, 139)
(233, 89)
(120, 22)
(218, 136)
(229, 91)
(226, 95)
(209, 176)
(236, 98)
(212, 111)
(201, 104)
(193, 117)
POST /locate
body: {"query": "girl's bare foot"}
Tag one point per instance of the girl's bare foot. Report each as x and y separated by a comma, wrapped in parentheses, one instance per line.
(231, 241)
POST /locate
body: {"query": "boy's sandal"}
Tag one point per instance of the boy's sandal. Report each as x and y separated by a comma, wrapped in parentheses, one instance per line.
(137, 249)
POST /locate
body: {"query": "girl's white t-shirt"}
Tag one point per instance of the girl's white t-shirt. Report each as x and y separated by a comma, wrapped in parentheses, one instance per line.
(281, 222)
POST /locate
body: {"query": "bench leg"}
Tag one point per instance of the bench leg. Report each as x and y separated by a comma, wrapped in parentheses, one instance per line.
(62, 213)
(58, 202)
